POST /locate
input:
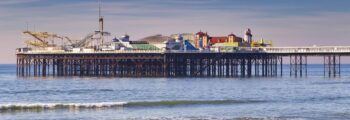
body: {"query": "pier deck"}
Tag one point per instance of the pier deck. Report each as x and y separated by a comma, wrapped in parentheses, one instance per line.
(242, 62)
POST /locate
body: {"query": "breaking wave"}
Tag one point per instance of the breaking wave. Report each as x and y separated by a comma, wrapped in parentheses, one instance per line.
(185, 102)
(15, 107)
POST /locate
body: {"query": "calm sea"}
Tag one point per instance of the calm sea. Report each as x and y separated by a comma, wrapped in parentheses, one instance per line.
(284, 97)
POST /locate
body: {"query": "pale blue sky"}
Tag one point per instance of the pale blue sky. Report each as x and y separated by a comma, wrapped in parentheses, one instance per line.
(287, 22)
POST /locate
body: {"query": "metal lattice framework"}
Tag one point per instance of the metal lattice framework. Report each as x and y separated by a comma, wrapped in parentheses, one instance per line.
(159, 63)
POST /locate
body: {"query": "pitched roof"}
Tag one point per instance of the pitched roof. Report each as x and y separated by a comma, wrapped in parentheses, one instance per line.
(201, 33)
(218, 39)
(231, 34)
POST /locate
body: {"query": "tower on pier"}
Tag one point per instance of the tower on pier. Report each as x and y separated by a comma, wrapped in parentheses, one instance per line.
(248, 37)
(202, 40)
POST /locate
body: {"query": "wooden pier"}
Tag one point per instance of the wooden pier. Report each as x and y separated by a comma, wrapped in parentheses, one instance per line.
(256, 62)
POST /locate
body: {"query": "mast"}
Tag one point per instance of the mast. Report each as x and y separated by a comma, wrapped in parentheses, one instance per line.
(100, 22)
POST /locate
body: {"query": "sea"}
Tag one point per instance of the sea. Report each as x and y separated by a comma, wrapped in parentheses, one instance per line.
(311, 97)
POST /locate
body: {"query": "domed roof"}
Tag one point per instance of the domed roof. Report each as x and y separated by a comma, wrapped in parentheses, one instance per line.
(156, 39)
(231, 34)
(200, 33)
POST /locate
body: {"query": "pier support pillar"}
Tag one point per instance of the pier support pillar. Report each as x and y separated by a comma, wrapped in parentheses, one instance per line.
(298, 65)
(332, 65)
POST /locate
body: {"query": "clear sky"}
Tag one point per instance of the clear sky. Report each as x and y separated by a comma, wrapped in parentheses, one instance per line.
(286, 22)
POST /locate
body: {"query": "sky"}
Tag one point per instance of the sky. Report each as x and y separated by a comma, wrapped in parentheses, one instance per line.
(286, 22)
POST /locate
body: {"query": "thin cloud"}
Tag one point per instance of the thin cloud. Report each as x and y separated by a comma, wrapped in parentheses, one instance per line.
(140, 18)
(14, 2)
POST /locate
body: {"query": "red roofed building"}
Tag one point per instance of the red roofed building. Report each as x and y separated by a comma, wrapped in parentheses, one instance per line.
(220, 39)
(203, 40)
(201, 33)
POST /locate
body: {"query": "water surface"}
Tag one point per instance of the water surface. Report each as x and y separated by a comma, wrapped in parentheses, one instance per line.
(284, 97)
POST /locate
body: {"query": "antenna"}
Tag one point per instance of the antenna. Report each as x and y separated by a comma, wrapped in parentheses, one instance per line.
(100, 20)
(99, 8)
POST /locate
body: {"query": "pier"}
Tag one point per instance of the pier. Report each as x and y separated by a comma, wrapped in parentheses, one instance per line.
(244, 62)
(176, 55)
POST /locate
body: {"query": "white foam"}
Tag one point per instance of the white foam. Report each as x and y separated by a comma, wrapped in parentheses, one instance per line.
(64, 105)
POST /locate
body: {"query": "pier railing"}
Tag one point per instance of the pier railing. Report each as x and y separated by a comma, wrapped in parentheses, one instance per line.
(322, 49)
(286, 50)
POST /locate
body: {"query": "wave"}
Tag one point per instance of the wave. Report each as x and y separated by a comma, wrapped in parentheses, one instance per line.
(269, 118)
(58, 91)
(185, 102)
(214, 118)
(14, 107)
(18, 107)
